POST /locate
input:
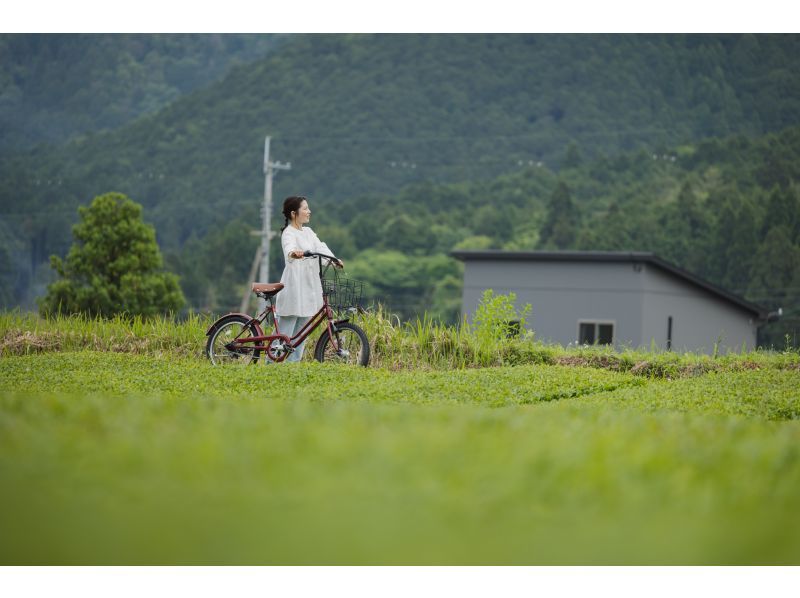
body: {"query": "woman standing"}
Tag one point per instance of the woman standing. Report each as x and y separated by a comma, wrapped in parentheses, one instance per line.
(301, 296)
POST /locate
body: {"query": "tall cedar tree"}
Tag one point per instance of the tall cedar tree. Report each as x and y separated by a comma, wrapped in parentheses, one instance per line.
(561, 226)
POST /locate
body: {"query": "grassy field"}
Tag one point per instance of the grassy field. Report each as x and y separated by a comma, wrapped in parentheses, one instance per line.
(142, 453)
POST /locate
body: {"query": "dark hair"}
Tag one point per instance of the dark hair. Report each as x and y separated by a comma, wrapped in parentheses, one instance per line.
(291, 204)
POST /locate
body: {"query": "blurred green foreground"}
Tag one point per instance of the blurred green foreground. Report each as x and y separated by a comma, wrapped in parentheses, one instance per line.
(122, 459)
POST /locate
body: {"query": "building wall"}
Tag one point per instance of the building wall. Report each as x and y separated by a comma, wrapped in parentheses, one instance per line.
(562, 293)
(636, 297)
(699, 318)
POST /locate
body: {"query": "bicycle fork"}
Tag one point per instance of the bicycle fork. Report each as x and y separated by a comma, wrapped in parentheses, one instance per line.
(336, 341)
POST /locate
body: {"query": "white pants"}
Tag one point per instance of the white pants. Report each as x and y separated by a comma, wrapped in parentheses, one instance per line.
(291, 325)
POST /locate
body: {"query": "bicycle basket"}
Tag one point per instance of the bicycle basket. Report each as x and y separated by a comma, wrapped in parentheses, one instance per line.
(342, 292)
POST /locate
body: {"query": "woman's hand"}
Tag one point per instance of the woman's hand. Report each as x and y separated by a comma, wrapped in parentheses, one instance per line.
(339, 264)
(298, 255)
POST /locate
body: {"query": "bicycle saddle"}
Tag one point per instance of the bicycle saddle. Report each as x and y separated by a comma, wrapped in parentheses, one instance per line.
(268, 289)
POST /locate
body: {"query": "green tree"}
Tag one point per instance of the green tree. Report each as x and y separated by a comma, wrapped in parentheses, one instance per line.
(560, 228)
(609, 233)
(783, 208)
(446, 298)
(494, 220)
(774, 276)
(736, 242)
(409, 285)
(572, 157)
(685, 233)
(407, 234)
(114, 266)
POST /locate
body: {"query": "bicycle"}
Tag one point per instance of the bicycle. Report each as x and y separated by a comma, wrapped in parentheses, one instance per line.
(238, 338)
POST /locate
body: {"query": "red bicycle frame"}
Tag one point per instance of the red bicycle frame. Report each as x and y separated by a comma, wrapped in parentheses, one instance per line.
(325, 313)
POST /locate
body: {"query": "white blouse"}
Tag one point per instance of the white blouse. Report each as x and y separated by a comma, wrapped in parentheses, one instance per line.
(302, 292)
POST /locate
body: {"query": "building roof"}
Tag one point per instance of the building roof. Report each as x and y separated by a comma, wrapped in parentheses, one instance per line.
(611, 256)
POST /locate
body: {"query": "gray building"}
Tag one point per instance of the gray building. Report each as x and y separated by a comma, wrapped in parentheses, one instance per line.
(620, 298)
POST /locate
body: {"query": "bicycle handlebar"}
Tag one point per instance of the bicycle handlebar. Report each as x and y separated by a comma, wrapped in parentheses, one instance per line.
(315, 254)
(326, 256)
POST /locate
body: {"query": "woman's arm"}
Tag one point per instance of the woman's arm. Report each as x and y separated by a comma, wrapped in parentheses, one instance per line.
(321, 247)
(289, 244)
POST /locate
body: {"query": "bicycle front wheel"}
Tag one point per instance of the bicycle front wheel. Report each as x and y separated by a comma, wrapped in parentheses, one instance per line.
(220, 348)
(352, 346)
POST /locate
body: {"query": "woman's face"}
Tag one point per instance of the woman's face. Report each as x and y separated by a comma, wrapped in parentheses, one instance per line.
(303, 214)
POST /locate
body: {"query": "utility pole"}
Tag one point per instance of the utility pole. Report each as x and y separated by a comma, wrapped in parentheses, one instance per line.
(262, 252)
(270, 170)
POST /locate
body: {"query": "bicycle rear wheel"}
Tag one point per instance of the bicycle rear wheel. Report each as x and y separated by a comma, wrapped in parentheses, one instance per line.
(353, 346)
(220, 348)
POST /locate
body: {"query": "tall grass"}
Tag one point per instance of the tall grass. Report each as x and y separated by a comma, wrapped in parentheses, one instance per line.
(420, 344)
(24, 333)
(427, 344)
(424, 343)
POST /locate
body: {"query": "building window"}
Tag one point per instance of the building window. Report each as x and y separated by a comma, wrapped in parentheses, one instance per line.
(595, 333)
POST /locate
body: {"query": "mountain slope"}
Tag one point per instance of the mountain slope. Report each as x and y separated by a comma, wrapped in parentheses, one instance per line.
(56, 86)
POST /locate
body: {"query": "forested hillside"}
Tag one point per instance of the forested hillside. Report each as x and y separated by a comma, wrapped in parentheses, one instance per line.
(56, 86)
(412, 145)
